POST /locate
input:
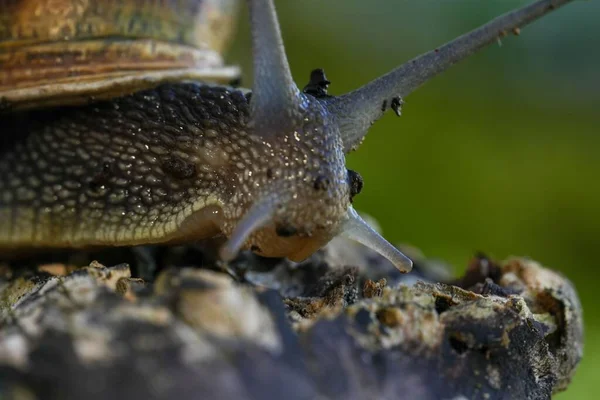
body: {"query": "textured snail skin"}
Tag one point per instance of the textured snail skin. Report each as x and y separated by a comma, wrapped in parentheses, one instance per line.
(172, 164)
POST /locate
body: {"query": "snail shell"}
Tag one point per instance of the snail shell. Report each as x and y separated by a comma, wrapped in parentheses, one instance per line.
(58, 52)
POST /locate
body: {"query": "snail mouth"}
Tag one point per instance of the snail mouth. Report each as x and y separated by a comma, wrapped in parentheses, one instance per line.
(311, 245)
(263, 232)
(296, 248)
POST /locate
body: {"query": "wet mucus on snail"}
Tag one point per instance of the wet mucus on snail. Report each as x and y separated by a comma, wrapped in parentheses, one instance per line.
(184, 161)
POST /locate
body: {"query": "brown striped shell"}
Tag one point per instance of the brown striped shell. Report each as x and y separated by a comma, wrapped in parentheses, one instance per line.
(55, 52)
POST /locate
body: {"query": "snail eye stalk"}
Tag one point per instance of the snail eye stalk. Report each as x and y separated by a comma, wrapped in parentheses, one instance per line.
(274, 93)
(357, 110)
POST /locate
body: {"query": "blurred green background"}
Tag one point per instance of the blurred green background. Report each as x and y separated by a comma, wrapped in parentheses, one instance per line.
(499, 154)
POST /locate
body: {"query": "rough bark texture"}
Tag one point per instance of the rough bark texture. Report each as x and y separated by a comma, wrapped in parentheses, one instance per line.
(342, 325)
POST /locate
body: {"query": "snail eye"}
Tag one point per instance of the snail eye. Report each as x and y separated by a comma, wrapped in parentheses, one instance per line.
(355, 181)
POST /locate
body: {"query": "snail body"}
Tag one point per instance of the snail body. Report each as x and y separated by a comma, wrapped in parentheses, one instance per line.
(134, 141)
(170, 164)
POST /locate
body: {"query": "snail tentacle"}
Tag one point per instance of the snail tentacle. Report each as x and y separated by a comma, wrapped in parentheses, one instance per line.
(355, 228)
(359, 109)
(258, 216)
(274, 90)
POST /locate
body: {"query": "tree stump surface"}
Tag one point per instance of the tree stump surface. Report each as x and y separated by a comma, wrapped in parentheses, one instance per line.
(344, 324)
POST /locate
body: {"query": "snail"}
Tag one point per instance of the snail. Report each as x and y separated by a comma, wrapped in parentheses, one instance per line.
(117, 129)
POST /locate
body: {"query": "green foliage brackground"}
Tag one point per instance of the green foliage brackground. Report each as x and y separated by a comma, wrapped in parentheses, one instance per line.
(499, 154)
